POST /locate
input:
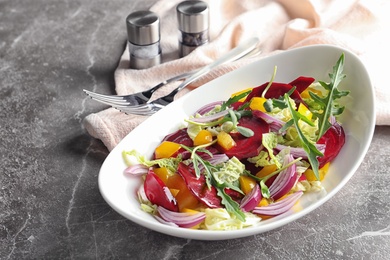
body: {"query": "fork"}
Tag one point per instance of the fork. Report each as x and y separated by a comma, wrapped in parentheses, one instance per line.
(138, 98)
(125, 104)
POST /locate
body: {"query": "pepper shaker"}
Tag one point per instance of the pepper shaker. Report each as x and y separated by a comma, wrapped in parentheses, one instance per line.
(143, 33)
(193, 22)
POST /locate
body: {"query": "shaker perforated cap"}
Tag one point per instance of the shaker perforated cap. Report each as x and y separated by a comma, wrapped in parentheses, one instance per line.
(143, 27)
(193, 16)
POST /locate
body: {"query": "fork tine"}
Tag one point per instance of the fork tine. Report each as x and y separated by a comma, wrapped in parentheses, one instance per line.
(146, 109)
(147, 113)
(109, 101)
(103, 96)
(116, 100)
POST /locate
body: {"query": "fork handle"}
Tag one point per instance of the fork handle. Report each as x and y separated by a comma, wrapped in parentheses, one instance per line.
(234, 54)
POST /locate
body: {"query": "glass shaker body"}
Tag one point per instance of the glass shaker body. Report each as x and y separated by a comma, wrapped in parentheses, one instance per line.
(143, 32)
(193, 22)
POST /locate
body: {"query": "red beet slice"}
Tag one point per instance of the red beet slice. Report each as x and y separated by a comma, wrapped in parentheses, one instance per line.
(277, 89)
(334, 139)
(157, 193)
(198, 187)
(247, 146)
(301, 83)
(180, 136)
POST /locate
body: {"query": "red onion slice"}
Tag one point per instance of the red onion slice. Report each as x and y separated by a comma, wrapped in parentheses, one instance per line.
(207, 108)
(181, 219)
(142, 194)
(285, 180)
(137, 169)
(273, 121)
(165, 222)
(215, 160)
(251, 200)
(210, 118)
(279, 207)
(218, 159)
(299, 151)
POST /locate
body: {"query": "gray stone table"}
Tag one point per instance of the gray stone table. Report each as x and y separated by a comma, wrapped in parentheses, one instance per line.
(50, 204)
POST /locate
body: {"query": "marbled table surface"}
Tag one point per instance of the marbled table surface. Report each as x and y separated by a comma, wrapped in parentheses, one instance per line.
(50, 204)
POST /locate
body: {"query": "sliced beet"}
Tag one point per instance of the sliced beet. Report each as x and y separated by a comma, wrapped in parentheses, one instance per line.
(277, 89)
(198, 187)
(251, 167)
(180, 136)
(301, 83)
(334, 139)
(235, 195)
(247, 146)
(236, 105)
(157, 193)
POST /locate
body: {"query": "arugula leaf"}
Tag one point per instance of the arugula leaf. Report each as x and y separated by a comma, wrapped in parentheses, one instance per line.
(197, 160)
(286, 125)
(307, 145)
(234, 99)
(272, 103)
(230, 205)
(327, 105)
(310, 149)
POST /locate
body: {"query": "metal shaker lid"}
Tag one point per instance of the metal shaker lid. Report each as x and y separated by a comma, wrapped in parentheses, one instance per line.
(143, 27)
(193, 16)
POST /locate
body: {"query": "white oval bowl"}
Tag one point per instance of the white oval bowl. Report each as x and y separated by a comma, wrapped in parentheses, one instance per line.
(315, 61)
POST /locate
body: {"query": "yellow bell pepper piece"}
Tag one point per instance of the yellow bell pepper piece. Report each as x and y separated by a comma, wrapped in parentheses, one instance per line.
(263, 202)
(184, 197)
(225, 140)
(257, 103)
(203, 137)
(305, 93)
(268, 169)
(174, 192)
(303, 110)
(310, 176)
(246, 183)
(162, 173)
(240, 92)
(191, 211)
(166, 149)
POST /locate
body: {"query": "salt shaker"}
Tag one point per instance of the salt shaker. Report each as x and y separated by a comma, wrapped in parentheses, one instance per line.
(143, 33)
(193, 22)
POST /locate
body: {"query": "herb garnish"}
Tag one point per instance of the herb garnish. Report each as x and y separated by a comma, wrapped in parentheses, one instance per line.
(327, 108)
(327, 105)
(231, 205)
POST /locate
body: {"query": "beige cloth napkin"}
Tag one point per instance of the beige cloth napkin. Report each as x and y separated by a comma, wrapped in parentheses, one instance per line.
(360, 26)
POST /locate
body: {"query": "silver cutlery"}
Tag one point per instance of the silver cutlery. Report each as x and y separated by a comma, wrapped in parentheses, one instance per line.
(138, 103)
